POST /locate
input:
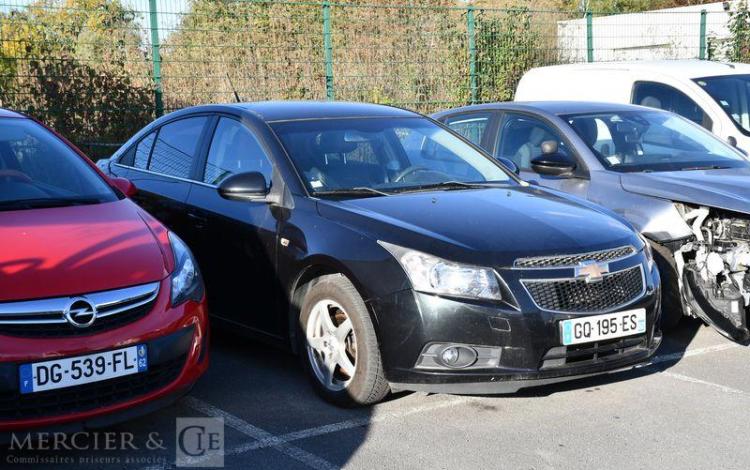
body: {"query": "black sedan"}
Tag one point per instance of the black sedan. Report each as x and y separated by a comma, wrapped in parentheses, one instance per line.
(392, 253)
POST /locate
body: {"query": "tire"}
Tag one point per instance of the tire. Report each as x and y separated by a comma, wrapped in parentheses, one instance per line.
(671, 300)
(323, 342)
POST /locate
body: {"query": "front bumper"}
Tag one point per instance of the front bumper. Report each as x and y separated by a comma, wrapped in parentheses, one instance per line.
(529, 343)
(177, 340)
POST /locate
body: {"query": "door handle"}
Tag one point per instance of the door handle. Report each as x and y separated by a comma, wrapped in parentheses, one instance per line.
(198, 220)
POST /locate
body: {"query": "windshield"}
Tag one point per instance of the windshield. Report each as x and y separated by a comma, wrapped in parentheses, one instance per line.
(732, 92)
(384, 154)
(38, 170)
(635, 141)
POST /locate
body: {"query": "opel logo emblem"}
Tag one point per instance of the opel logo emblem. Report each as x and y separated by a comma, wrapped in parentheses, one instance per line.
(592, 271)
(80, 313)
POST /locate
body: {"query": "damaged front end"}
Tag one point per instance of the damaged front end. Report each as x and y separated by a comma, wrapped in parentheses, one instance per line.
(714, 267)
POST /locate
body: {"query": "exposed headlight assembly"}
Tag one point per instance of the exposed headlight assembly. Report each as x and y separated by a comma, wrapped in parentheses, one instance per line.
(434, 275)
(186, 279)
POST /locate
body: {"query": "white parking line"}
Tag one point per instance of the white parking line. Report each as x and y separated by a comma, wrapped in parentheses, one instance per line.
(690, 353)
(264, 439)
(449, 402)
(723, 388)
(238, 424)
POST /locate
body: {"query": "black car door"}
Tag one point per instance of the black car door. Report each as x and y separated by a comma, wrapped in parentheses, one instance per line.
(160, 166)
(235, 241)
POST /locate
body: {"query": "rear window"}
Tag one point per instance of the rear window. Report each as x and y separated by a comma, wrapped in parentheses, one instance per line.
(38, 170)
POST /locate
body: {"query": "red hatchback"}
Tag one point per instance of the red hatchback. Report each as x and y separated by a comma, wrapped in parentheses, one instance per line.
(102, 310)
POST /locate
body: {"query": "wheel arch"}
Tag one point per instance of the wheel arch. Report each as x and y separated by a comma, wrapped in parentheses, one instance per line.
(314, 268)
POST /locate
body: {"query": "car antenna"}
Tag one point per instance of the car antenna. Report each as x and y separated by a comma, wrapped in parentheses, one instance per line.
(234, 90)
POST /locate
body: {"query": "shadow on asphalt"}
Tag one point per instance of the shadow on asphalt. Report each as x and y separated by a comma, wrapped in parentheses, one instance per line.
(267, 389)
(674, 345)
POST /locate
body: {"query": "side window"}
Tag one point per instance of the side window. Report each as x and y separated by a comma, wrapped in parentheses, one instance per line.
(143, 150)
(137, 155)
(471, 126)
(660, 96)
(128, 157)
(521, 139)
(175, 147)
(234, 149)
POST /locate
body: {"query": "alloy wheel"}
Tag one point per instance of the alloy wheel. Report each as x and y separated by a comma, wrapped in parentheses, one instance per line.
(331, 345)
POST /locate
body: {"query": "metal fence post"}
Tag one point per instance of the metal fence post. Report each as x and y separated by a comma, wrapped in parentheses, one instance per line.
(590, 36)
(702, 46)
(156, 58)
(470, 31)
(328, 50)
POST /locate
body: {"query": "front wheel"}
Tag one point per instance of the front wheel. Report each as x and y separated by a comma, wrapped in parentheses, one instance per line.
(339, 348)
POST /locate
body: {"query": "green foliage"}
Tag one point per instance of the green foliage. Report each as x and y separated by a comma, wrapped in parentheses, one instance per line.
(88, 103)
(507, 46)
(84, 66)
(738, 48)
(77, 65)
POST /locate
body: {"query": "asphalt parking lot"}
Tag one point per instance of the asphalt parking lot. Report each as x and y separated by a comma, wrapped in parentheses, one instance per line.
(689, 409)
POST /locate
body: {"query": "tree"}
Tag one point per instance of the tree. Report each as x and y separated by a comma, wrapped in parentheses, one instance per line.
(79, 65)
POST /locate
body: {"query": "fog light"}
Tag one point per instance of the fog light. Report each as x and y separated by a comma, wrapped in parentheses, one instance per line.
(443, 356)
(458, 357)
(450, 356)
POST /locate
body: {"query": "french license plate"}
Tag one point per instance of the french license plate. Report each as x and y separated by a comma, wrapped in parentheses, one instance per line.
(602, 327)
(72, 371)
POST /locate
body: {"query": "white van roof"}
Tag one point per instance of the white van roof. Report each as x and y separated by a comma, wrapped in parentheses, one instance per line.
(687, 68)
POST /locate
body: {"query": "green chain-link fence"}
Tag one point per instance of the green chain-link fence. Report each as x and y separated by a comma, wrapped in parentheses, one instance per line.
(98, 70)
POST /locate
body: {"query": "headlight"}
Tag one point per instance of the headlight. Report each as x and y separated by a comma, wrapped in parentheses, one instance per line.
(435, 275)
(648, 251)
(186, 279)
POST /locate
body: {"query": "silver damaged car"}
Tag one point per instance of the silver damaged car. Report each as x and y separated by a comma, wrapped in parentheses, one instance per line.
(684, 189)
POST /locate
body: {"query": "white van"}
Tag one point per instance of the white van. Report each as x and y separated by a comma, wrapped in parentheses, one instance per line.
(713, 94)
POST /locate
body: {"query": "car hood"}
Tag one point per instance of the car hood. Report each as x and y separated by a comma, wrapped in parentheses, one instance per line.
(74, 250)
(483, 226)
(724, 189)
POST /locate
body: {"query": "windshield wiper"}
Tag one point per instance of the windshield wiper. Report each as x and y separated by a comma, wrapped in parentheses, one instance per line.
(448, 185)
(45, 202)
(706, 167)
(358, 191)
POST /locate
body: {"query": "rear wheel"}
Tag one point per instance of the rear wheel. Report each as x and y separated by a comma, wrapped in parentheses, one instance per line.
(671, 300)
(339, 347)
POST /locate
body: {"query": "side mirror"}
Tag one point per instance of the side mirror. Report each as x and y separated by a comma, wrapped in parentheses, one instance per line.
(552, 162)
(509, 164)
(732, 140)
(124, 185)
(244, 187)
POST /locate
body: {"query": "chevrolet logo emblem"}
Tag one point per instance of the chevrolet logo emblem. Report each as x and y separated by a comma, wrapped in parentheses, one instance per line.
(592, 271)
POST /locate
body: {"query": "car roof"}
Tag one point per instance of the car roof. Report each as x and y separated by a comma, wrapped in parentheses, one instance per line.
(683, 68)
(271, 111)
(548, 107)
(8, 113)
